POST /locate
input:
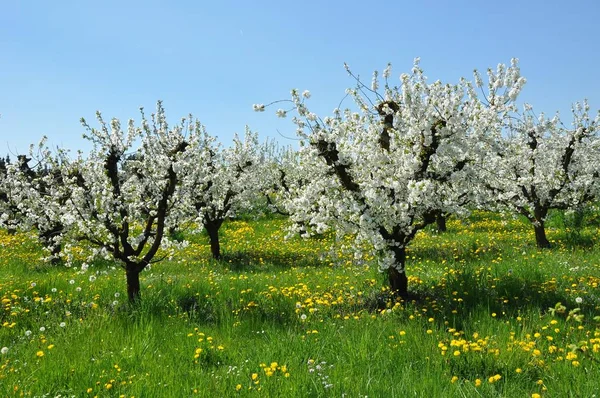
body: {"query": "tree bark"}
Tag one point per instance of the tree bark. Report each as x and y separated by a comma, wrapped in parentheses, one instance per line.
(213, 233)
(133, 283)
(440, 221)
(398, 279)
(540, 235)
(55, 252)
(46, 237)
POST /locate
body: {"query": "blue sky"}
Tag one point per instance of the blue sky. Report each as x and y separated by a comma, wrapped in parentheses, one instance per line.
(61, 60)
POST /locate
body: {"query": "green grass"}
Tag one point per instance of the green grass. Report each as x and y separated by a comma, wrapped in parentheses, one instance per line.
(279, 318)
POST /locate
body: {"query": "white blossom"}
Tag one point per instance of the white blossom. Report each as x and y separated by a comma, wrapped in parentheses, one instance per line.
(381, 176)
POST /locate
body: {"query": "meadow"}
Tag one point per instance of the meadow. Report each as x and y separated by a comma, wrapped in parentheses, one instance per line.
(493, 316)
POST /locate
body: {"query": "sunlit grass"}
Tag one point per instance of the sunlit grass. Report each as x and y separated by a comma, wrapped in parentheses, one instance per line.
(297, 317)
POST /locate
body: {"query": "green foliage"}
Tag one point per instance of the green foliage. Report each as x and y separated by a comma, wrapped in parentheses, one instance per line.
(575, 225)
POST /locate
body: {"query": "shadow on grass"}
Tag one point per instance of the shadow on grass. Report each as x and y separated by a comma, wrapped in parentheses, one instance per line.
(467, 251)
(259, 261)
(508, 296)
(204, 311)
(573, 240)
(465, 294)
(457, 298)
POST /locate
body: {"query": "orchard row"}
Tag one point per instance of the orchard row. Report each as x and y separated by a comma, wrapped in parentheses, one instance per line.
(400, 158)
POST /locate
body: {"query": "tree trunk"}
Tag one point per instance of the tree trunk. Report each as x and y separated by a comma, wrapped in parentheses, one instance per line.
(398, 279)
(540, 235)
(440, 221)
(133, 283)
(46, 237)
(213, 233)
(55, 252)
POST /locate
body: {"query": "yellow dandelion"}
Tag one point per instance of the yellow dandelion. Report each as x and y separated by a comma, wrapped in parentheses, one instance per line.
(494, 378)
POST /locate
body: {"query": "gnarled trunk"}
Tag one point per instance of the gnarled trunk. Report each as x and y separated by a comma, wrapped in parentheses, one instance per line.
(55, 250)
(398, 279)
(539, 213)
(133, 282)
(440, 222)
(540, 235)
(46, 237)
(212, 228)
